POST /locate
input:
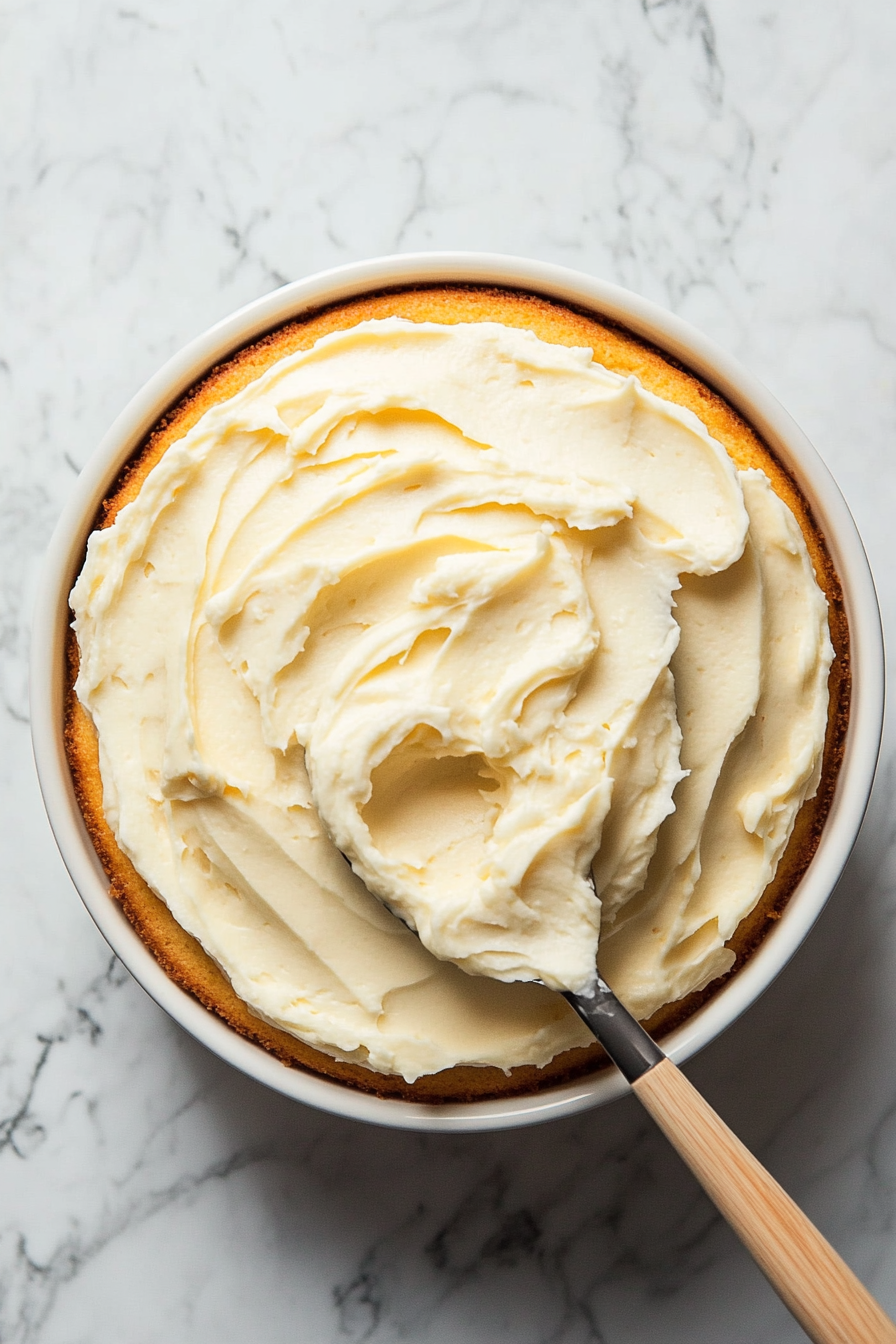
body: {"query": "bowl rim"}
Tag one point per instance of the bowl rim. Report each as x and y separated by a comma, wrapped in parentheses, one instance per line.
(672, 336)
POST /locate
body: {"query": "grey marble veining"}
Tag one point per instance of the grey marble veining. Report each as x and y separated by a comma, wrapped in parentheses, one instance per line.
(162, 164)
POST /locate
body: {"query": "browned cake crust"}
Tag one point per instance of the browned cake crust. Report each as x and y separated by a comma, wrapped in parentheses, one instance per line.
(179, 954)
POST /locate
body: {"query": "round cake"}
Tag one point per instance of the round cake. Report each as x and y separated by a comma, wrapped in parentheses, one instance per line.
(480, 604)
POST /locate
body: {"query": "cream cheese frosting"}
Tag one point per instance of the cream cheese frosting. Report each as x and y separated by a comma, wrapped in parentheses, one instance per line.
(501, 626)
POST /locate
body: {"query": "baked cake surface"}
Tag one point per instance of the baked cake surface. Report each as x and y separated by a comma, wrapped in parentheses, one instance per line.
(180, 955)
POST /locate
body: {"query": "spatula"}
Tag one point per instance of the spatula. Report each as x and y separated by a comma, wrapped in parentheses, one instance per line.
(827, 1299)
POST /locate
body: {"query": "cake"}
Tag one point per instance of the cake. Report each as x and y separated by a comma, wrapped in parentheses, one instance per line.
(512, 1037)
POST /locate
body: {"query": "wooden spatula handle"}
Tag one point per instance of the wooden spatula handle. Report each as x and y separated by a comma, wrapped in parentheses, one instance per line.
(824, 1295)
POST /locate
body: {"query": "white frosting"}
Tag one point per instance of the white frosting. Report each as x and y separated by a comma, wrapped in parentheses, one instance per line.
(409, 595)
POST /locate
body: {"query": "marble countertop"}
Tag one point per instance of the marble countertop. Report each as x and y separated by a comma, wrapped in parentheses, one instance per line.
(166, 162)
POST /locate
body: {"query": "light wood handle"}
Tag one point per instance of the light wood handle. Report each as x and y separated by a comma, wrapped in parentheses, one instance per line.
(824, 1295)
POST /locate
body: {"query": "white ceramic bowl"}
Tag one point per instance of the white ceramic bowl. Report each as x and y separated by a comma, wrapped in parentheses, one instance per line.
(708, 362)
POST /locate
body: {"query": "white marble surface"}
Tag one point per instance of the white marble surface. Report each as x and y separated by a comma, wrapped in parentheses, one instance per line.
(165, 162)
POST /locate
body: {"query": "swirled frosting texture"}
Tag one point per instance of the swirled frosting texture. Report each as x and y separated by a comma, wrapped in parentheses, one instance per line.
(504, 628)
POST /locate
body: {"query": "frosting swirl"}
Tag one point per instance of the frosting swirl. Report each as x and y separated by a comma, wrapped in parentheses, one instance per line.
(471, 609)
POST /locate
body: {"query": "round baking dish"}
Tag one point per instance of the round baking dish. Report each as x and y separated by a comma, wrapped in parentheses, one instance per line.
(674, 338)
